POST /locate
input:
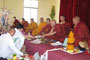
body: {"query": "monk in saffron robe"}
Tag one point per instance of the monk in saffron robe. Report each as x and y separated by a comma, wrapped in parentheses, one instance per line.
(16, 22)
(65, 25)
(81, 32)
(32, 26)
(24, 23)
(56, 33)
(47, 28)
(40, 27)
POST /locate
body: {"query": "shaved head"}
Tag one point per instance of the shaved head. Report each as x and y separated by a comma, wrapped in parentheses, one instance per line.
(48, 20)
(62, 18)
(41, 19)
(53, 22)
(76, 20)
(32, 20)
(12, 31)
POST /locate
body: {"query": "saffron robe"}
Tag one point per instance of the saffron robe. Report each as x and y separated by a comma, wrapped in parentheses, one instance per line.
(39, 29)
(60, 33)
(31, 27)
(81, 33)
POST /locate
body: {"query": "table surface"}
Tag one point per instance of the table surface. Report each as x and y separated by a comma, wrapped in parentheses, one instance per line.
(54, 55)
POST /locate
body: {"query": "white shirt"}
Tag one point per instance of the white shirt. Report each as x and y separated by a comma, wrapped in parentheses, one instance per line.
(7, 46)
(19, 39)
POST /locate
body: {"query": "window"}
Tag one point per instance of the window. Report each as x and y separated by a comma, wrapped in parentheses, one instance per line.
(30, 9)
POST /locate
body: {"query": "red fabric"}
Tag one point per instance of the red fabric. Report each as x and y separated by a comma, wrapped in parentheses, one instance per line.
(60, 33)
(89, 42)
(67, 27)
(87, 53)
(81, 33)
(71, 8)
(66, 9)
(46, 29)
(16, 22)
(25, 23)
(54, 55)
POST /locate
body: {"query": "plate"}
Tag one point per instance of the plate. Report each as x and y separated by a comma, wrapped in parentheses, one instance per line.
(75, 51)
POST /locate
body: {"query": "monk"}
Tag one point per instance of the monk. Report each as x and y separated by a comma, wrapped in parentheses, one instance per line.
(47, 28)
(56, 33)
(65, 24)
(32, 26)
(16, 22)
(81, 32)
(24, 23)
(40, 27)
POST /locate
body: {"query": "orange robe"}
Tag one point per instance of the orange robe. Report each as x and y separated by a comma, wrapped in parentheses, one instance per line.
(25, 24)
(39, 29)
(81, 33)
(46, 29)
(31, 27)
(67, 27)
(60, 33)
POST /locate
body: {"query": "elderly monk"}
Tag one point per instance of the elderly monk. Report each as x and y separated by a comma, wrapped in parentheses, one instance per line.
(56, 33)
(40, 27)
(16, 22)
(81, 32)
(65, 24)
(47, 28)
(24, 23)
(32, 26)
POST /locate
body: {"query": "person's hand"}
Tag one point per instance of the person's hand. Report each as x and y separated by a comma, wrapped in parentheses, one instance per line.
(32, 36)
(43, 36)
(26, 36)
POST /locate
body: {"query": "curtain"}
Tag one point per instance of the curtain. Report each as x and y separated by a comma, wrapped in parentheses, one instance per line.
(71, 8)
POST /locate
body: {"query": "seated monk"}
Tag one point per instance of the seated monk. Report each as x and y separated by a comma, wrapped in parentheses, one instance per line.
(40, 27)
(81, 32)
(65, 24)
(16, 22)
(47, 28)
(32, 26)
(56, 33)
(24, 23)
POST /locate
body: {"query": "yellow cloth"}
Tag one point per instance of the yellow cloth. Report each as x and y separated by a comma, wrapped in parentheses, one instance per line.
(39, 29)
(31, 27)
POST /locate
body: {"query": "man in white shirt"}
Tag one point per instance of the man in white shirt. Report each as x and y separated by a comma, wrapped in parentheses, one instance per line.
(7, 46)
(19, 37)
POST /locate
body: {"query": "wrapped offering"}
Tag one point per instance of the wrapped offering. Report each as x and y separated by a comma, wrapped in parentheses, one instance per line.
(71, 40)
